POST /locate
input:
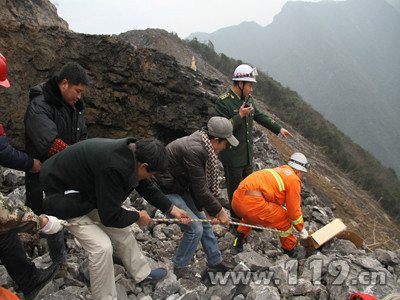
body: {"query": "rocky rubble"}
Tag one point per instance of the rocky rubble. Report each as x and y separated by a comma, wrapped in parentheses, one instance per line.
(335, 271)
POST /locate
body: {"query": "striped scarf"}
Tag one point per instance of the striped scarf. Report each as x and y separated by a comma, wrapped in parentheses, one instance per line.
(211, 165)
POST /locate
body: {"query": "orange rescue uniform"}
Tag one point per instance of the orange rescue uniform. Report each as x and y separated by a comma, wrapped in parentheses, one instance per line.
(259, 197)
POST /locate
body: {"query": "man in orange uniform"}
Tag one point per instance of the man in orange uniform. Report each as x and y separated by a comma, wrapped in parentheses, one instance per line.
(260, 196)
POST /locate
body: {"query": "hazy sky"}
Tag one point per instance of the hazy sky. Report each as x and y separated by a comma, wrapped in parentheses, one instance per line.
(180, 16)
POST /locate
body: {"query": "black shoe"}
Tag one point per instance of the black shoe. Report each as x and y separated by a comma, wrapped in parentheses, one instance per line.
(223, 266)
(183, 273)
(44, 276)
(239, 241)
(298, 252)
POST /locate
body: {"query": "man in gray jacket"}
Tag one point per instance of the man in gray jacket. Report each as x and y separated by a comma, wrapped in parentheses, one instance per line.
(191, 183)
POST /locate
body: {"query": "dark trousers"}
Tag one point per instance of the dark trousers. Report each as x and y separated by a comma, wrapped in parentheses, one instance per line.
(34, 193)
(233, 177)
(34, 199)
(13, 257)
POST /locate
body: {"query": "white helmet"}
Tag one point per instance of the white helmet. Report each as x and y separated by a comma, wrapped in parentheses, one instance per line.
(245, 73)
(299, 162)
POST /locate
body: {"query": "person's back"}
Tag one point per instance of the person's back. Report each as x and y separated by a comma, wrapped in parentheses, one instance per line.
(260, 197)
(187, 159)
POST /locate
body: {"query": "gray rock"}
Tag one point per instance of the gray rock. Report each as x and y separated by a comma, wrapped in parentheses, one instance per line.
(387, 258)
(253, 260)
(261, 292)
(168, 286)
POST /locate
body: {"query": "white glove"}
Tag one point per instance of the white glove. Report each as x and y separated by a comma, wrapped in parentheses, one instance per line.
(303, 234)
(52, 226)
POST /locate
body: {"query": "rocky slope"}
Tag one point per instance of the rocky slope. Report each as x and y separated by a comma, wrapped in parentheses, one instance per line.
(361, 213)
(139, 91)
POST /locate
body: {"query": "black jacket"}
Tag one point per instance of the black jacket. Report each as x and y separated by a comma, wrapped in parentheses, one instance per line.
(187, 159)
(104, 171)
(48, 118)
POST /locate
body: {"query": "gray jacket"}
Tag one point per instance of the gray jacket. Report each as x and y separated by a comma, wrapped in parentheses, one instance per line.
(187, 159)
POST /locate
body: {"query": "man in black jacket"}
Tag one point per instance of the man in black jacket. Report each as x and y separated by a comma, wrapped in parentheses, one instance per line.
(88, 182)
(54, 120)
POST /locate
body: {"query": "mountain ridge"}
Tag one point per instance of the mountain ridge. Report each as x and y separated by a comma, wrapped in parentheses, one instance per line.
(307, 47)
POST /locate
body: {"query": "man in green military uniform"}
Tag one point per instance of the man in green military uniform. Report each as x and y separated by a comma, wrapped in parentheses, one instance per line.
(237, 105)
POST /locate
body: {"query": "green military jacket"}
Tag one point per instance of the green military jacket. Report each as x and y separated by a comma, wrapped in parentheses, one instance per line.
(17, 219)
(228, 105)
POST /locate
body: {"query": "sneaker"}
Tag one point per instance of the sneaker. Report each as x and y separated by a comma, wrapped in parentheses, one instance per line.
(223, 266)
(154, 276)
(184, 272)
(44, 277)
(239, 241)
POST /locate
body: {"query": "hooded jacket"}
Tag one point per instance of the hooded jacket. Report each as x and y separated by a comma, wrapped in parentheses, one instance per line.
(49, 118)
(187, 159)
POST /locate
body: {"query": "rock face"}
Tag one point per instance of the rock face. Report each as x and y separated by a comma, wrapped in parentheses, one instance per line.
(34, 12)
(134, 91)
(172, 45)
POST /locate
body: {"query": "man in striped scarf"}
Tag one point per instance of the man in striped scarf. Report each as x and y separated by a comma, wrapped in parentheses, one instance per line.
(191, 183)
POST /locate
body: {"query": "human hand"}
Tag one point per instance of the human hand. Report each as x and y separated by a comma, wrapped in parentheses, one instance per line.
(223, 217)
(245, 111)
(50, 224)
(214, 220)
(37, 164)
(144, 218)
(285, 133)
(303, 234)
(180, 214)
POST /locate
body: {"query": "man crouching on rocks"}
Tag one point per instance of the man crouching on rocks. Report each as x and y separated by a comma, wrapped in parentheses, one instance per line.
(87, 182)
(191, 183)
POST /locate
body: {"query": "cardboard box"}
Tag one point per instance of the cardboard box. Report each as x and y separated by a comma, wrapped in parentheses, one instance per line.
(324, 234)
(327, 233)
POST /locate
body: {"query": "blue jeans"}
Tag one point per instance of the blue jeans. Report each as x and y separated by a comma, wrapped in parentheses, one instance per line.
(56, 245)
(194, 232)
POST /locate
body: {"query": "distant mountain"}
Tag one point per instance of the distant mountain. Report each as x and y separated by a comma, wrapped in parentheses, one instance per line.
(342, 57)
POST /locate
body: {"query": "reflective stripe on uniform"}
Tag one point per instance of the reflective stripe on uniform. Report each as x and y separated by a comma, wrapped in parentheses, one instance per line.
(278, 179)
(287, 232)
(298, 221)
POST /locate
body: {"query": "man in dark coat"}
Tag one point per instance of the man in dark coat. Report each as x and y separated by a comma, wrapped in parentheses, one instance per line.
(54, 120)
(88, 182)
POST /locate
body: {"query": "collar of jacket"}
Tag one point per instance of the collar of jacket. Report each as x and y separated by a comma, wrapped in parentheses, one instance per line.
(52, 94)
